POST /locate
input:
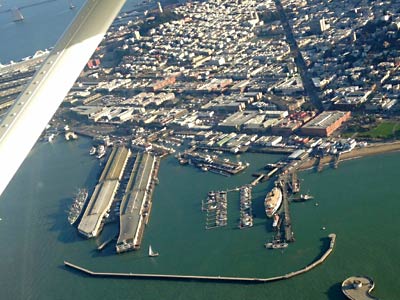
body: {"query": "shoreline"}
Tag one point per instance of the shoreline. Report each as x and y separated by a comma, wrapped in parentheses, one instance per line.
(370, 150)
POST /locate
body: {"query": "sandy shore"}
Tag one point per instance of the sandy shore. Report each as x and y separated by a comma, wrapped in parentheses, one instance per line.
(372, 149)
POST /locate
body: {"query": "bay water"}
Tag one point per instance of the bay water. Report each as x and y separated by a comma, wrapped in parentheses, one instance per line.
(359, 202)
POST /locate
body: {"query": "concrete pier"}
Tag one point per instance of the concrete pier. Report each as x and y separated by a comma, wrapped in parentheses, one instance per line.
(358, 288)
(137, 201)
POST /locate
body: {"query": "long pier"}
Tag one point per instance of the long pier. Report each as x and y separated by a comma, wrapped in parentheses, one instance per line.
(287, 223)
(309, 267)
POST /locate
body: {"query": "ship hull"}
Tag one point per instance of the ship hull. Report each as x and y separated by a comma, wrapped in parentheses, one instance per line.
(273, 202)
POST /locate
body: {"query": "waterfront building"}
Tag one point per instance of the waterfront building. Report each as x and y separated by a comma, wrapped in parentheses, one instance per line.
(103, 195)
(325, 123)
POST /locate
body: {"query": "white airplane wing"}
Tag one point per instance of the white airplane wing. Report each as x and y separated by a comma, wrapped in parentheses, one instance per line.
(36, 105)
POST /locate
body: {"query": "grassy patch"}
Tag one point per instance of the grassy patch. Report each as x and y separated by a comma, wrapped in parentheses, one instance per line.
(385, 130)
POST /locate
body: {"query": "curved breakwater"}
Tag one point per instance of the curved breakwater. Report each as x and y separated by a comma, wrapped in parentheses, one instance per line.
(309, 267)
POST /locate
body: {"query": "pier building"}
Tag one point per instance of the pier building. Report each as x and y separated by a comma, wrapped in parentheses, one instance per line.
(136, 203)
(104, 192)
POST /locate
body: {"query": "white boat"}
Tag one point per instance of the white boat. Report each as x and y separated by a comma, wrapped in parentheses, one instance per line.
(273, 201)
(92, 151)
(101, 151)
(276, 220)
(276, 245)
(50, 138)
(152, 253)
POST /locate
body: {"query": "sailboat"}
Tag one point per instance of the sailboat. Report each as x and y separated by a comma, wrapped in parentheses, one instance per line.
(152, 253)
(71, 5)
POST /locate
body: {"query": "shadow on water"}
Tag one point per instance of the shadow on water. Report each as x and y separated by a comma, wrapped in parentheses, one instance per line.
(325, 243)
(59, 221)
(73, 272)
(335, 292)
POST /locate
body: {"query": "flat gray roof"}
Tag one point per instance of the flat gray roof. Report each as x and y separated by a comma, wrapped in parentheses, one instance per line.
(132, 202)
(98, 205)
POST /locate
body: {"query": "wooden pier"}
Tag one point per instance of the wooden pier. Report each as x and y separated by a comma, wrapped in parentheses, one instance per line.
(320, 164)
(335, 160)
(257, 180)
(309, 267)
(287, 223)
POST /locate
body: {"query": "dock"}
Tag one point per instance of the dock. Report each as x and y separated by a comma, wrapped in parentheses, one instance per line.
(106, 242)
(294, 183)
(246, 211)
(257, 180)
(320, 164)
(287, 223)
(309, 267)
(212, 163)
(100, 202)
(335, 160)
(216, 208)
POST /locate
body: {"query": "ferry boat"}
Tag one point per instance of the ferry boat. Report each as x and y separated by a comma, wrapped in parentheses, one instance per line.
(276, 245)
(77, 206)
(273, 201)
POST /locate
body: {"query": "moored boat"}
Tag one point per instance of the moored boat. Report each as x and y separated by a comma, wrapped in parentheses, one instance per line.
(276, 221)
(77, 206)
(101, 151)
(92, 151)
(303, 197)
(273, 201)
(276, 245)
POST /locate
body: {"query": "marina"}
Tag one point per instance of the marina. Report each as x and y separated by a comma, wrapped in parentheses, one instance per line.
(32, 231)
(246, 211)
(216, 208)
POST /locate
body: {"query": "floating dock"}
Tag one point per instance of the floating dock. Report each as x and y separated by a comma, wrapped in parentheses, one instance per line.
(216, 208)
(319, 261)
(246, 211)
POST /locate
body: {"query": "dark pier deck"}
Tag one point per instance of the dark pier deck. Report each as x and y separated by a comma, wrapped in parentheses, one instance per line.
(287, 223)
